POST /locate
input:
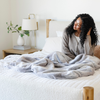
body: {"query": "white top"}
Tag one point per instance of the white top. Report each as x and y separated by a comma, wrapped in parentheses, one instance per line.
(77, 38)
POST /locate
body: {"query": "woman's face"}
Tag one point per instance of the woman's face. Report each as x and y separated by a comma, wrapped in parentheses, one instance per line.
(77, 24)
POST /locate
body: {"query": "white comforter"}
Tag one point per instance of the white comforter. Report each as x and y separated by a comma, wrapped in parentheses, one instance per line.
(26, 86)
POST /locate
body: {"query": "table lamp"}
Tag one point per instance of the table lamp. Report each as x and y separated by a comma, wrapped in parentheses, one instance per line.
(29, 24)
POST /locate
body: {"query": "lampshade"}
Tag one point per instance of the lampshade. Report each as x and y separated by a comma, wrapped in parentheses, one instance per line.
(29, 24)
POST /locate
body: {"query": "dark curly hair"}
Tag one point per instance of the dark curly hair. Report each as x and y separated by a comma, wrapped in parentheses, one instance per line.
(87, 23)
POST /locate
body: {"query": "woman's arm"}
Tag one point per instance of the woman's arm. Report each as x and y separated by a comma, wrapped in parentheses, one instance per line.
(89, 31)
(88, 48)
(65, 46)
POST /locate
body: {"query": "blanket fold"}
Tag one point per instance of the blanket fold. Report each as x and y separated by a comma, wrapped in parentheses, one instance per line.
(57, 65)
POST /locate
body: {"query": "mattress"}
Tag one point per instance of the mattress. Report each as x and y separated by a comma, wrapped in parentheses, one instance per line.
(16, 85)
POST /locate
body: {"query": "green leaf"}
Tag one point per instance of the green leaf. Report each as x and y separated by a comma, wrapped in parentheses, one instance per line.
(26, 32)
(15, 26)
(13, 31)
(22, 35)
(7, 23)
(8, 27)
(10, 23)
(20, 28)
(8, 31)
(17, 31)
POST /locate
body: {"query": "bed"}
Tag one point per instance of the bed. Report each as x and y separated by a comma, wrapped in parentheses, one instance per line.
(16, 85)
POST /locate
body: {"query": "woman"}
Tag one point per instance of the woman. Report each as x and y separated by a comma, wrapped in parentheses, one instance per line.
(80, 37)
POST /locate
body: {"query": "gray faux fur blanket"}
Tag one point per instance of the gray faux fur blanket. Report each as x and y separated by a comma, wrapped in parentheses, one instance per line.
(57, 65)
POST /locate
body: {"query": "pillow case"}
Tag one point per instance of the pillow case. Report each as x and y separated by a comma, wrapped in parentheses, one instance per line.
(52, 44)
(59, 33)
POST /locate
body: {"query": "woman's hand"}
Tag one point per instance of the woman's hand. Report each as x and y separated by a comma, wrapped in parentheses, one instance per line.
(89, 31)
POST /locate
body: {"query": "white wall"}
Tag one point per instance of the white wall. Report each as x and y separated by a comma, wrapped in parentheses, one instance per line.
(5, 16)
(54, 9)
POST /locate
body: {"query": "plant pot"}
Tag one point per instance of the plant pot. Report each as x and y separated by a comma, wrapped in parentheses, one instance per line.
(20, 40)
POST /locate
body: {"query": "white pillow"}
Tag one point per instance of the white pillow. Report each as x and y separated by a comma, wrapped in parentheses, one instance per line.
(98, 33)
(59, 33)
(52, 44)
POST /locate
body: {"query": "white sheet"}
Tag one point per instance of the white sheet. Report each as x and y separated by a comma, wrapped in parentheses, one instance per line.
(26, 86)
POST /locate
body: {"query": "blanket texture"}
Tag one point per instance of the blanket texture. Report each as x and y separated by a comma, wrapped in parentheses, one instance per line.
(56, 65)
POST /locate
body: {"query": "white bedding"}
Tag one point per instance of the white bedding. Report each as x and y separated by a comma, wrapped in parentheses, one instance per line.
(26, 86)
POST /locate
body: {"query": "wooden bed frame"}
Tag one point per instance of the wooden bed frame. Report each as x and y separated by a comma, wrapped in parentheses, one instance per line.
(88, 92)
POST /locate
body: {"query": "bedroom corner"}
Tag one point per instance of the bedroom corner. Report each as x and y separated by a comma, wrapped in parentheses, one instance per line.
(5, 15)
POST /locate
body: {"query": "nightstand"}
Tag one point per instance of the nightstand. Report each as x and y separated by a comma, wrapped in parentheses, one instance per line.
(15, 51)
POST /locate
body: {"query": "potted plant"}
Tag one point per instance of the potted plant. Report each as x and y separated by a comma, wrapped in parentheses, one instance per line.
(17, 29)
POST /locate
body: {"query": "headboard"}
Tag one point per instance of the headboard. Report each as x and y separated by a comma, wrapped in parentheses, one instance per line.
(52, 26)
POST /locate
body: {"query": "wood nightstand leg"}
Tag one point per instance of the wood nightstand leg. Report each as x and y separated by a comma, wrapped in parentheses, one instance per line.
(4, 54)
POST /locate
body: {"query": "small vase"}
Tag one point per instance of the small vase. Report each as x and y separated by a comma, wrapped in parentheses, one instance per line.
(20, 40)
